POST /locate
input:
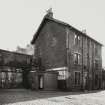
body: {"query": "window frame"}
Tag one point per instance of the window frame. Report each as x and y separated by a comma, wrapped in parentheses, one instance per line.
(96, 63)
(76, 39)
(77, 58)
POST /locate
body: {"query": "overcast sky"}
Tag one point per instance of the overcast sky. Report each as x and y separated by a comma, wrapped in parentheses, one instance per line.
(19, 19)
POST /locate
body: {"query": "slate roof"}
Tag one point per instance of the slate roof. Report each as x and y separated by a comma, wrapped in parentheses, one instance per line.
(62, 23)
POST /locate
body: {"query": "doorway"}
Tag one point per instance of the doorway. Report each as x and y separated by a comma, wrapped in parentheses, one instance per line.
(41, 81)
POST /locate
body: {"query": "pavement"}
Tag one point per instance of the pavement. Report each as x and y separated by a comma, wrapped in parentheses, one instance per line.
(28, 97)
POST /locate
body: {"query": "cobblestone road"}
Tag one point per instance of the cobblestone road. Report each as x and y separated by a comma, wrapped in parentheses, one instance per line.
(28, 97)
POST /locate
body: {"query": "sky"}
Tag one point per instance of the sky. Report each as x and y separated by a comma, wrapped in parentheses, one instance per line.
(19, 19)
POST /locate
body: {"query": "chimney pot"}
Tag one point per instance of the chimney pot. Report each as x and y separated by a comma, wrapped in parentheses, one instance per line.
(49, 13)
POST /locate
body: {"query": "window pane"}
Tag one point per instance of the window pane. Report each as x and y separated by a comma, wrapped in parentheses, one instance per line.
(76, 58)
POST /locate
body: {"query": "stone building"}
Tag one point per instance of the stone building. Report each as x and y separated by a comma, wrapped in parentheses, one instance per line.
(27, 50)
(14, 68)
(75, 56)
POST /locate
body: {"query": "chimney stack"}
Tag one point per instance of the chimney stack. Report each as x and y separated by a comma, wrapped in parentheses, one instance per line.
(49, 13)
(84, 31)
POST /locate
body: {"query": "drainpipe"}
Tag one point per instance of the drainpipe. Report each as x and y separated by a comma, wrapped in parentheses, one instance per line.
(67, 52)
(82, 67)
(88, 63)
(88, 66)
(101, 69)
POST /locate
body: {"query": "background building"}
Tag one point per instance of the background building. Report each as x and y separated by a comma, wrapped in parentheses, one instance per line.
(14, 68)
(27, 50)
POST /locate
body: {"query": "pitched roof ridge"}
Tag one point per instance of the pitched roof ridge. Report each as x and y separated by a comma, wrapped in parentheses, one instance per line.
(66, 24)
(63, 23)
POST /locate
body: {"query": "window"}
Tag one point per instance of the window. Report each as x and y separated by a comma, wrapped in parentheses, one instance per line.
(61, 75)
(76, 39)
(0, 57)
(28, 60)
(96, 64)
(96, 49)
(77, 78)
(76, 58)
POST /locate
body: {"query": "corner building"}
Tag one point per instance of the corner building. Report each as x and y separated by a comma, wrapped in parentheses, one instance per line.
(72, 54)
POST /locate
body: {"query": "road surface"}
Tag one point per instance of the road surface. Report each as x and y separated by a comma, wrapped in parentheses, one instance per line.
(28, 97)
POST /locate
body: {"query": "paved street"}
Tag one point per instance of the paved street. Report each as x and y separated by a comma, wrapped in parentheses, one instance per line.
(28, 97)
